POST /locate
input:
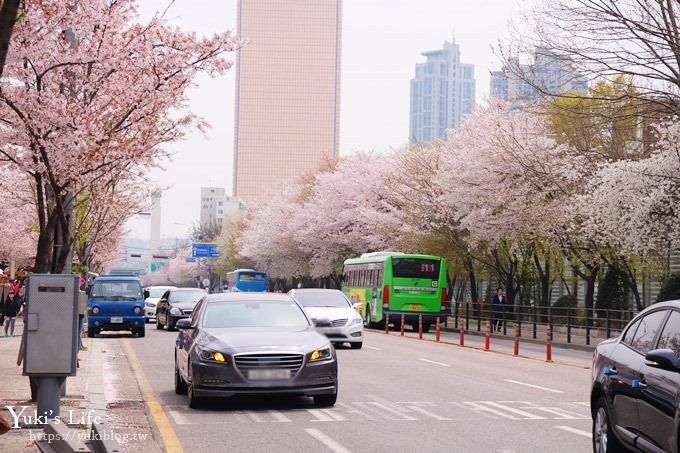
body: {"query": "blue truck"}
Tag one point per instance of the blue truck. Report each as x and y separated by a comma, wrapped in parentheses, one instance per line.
(115, 302)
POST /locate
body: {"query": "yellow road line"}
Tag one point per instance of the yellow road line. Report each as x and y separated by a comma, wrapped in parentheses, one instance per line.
(168, 435)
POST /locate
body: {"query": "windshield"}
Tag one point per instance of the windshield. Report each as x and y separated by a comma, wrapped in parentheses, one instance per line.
(252, 276)
(119, 289)
(186, 296)
(280, 314)
(333, 299)
(415, 268)
(157, 292)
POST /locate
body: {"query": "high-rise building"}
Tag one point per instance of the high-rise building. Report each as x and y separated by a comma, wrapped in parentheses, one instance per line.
(442, 93)
(549, 73)
(287, 92)
(215, 205)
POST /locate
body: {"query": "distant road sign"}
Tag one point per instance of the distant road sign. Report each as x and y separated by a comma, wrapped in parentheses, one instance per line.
(206, 282)
(204, 251)
(191, 259)
(209, 264)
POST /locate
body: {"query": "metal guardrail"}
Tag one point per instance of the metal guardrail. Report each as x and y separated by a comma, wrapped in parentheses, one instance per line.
(577, 325)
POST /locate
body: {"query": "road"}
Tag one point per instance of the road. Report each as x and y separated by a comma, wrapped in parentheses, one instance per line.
(396, 395)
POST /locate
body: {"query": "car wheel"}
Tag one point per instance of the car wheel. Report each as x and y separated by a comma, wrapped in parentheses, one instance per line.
(180, 385)
(91, 331)
(426, 326)
(357, 345)
(141, 331)
(194, 401)
(604, 439)
(325, 400)
(170, 326)
(159, 326)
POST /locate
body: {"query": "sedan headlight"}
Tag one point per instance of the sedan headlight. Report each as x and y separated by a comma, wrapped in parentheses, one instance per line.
(150, 304)
(320, 355)
(175, 311)
(214, 356)
(356, 320)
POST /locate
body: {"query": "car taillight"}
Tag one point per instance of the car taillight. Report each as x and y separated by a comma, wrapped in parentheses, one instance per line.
(444, 294)
(386, 297)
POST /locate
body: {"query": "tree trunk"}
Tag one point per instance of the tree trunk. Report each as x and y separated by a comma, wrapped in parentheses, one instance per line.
(8, 15)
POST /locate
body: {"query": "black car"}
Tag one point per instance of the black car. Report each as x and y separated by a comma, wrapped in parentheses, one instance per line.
(253, 344)
(635, 394)
(176, 304)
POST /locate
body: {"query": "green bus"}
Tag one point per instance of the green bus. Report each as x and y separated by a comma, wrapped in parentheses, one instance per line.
(397, 283)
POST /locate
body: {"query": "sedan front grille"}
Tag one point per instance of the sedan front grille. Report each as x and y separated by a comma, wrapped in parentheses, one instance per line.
(338, 322)
(292, 362)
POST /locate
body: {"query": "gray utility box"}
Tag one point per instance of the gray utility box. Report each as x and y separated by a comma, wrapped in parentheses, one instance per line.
(51, 325)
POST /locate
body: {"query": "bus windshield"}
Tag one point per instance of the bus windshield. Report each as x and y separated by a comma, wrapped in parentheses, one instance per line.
(415, 268)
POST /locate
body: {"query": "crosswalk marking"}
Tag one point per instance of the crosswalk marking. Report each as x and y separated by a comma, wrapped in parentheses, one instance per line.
(320, 416)
(380, 409)
(575, 431)
(524, 414)
(279, 417)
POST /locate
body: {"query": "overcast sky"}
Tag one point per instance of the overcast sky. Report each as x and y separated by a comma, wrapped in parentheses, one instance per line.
(381, 42)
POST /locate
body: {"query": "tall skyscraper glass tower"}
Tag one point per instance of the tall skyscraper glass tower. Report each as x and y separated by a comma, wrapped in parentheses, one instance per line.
(442, 93)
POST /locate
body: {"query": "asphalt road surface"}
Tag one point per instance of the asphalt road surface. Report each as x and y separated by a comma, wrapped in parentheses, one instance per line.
(396, 395)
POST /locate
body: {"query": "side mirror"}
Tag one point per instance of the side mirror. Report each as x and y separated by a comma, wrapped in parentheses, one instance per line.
(323, 322)
(357, 306)
(184, 323)
(146, 294)
(664, 359)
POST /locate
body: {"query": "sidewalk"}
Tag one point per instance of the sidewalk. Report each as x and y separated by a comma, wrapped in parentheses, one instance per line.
(104, 386)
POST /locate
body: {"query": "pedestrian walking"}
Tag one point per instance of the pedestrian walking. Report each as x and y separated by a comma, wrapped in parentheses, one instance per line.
(10, 309)
(498, 304)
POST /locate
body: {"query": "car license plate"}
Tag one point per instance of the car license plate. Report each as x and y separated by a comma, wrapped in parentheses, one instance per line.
(414, 307)
(117, 320)
(268, 374)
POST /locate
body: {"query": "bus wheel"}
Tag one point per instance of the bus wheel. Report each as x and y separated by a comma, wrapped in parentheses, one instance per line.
(367, 319)
(426, 326)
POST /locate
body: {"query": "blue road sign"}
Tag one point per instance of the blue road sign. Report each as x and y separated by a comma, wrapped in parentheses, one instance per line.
(204, 251)
(191, 259)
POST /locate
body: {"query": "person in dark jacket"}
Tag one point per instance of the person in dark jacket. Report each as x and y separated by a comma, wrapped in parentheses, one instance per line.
(10, 309)
(498, 304)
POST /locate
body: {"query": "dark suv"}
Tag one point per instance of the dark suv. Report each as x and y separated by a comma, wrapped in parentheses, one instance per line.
(636, 384)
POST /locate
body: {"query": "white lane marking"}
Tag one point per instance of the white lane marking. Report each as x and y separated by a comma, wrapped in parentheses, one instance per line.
(179, 418)
(256, 417)
(320, 416)
(396, 412)
(428, 413)
(559, 414)
(533, 386)
(435, 363)
(580, 432)
(331, 413)
(481, 408)
(522, 413)
(278, 416)
(351, 410)
(372, 348)
(332, 444)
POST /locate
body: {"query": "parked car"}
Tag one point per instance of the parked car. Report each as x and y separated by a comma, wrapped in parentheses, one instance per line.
(253, 343)
(115, 303)
(176, 304)
(346, 324)
(635, 391)
(155, 294)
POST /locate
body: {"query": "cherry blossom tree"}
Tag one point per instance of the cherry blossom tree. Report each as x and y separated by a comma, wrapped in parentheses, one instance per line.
(347, 213)
(176, 271)
(88, 95)
(634, 204)
(18, 235)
